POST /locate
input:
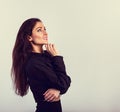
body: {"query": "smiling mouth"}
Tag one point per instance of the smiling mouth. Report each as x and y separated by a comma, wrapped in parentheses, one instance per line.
(45, 38)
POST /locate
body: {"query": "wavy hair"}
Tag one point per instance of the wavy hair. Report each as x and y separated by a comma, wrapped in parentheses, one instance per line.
(20, 53)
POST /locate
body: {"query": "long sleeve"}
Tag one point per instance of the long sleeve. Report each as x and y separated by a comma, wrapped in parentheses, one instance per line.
(60, 71)
(54, 73)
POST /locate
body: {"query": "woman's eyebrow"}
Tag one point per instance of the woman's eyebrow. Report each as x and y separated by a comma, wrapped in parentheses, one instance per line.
(40, 28)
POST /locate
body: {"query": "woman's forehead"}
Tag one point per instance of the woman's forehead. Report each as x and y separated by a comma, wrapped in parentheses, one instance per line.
(38, 24)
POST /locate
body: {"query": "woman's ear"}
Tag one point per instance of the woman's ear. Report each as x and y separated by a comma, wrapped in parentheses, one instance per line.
(30, 38)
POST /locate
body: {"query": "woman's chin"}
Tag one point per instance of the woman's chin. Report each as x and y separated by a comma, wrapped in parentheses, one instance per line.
(45, 43)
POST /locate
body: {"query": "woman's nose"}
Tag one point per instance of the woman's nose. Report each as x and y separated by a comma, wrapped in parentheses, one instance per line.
(45, 32)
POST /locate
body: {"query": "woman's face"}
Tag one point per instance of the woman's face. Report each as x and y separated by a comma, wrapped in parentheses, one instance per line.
(39, 35)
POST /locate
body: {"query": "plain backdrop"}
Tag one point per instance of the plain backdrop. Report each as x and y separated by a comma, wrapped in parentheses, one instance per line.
(86, 33)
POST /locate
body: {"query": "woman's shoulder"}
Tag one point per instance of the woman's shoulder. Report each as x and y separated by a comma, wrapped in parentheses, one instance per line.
(38, 57)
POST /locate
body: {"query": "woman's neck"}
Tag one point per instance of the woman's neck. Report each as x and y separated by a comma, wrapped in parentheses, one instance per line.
(37, 49)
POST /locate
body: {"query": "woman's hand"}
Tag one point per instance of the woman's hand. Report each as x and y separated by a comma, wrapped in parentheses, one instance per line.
(52, 95)
(51, 49)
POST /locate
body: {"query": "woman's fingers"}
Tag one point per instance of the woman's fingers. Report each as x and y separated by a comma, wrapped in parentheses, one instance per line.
(51, 49)
(52, 95)
(56, 99)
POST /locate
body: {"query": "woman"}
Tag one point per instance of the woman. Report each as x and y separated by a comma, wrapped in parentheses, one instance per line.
(41, 70)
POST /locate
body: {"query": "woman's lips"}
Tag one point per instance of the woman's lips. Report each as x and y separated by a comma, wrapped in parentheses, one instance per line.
(45, 38)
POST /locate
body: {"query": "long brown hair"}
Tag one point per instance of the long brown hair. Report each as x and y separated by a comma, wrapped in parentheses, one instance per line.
(20, 52)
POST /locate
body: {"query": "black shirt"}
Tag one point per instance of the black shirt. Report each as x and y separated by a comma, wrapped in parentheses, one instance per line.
(45, 71)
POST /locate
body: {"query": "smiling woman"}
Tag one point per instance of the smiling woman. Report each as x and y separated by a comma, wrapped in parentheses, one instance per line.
(39, 35)
(41, 70)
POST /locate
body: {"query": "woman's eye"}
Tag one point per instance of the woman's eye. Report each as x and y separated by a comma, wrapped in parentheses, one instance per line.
(39, 30)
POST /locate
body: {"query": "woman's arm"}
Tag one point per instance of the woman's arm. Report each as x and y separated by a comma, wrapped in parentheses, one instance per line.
(55, 77)
(58, 63)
